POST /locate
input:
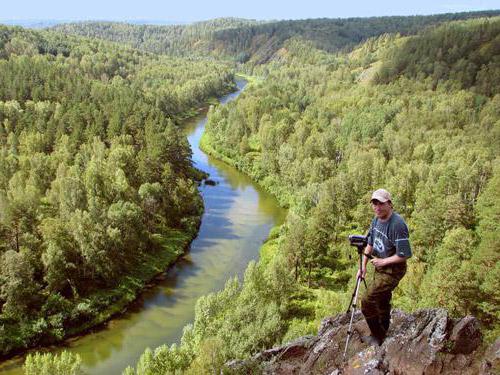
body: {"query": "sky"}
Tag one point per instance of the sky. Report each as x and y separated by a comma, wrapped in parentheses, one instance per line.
(197, 10)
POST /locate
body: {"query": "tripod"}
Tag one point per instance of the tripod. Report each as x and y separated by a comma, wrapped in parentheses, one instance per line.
(354, 297)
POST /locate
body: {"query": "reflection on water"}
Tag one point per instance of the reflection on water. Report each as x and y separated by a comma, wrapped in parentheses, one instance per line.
(237, 219)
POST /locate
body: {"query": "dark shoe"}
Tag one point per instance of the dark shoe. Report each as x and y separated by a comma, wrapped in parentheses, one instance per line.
(370, 340)
(378, 332)
(386, 322)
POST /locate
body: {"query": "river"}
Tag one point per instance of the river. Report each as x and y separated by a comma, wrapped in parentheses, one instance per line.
(237, 219)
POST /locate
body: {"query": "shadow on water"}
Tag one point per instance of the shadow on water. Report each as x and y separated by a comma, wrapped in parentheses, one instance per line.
(237, 219)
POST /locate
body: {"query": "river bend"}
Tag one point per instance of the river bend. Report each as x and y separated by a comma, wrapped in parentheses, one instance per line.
(237, 219)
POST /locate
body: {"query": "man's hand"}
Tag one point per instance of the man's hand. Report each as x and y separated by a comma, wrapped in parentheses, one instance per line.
(361, 273)
(379, 262)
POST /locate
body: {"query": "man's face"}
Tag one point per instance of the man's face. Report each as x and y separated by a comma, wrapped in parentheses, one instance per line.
(382, 209)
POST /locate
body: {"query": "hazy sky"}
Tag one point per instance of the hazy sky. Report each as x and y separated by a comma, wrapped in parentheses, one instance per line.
(195, 10)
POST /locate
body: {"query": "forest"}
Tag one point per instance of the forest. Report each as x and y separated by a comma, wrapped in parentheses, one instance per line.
(97, 189)
(95, 178)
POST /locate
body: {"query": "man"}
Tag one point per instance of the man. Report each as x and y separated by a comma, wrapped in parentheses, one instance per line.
(389, 245)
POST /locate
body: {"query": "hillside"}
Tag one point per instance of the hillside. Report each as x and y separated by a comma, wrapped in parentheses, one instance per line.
(247, 40)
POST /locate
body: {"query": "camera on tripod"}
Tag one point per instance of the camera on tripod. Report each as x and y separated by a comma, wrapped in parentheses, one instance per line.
(358, 240)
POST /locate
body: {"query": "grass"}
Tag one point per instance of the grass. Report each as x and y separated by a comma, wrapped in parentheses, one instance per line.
(250, 79)
(269, 249)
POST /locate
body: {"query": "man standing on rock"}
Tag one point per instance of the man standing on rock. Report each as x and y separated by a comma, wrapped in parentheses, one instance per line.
(389, 246)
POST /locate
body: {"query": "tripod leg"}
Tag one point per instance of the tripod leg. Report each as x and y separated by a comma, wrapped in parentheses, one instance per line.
(354, 293)
(352, 297)
(353, 302)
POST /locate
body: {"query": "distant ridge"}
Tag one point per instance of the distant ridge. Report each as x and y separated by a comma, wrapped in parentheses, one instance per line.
(43, 23)
(245, 40)
(34, 24)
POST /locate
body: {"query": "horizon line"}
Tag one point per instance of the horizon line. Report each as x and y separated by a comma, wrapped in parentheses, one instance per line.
(143, 19)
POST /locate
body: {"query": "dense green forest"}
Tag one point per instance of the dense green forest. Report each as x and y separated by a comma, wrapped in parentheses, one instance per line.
(321, 132)
(245, 40)
(97, 189)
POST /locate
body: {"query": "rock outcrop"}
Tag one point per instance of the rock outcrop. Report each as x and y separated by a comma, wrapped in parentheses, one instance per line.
(425, 342)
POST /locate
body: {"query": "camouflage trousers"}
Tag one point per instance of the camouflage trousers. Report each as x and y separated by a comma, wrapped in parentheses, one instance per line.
(376, 302)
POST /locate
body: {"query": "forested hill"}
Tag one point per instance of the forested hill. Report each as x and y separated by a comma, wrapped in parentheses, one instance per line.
(244, 40)
(466, 53)
(97, 190)
(174, 39)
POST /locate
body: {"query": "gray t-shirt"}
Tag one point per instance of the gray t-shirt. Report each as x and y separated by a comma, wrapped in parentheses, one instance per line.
(389, 237)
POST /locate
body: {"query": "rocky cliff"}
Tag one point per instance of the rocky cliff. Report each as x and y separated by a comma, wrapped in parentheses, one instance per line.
(425, 342)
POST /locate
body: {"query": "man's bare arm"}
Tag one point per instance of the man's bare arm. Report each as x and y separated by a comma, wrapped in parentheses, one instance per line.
(381, 262)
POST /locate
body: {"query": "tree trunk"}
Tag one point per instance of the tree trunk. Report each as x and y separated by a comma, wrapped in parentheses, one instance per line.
(309, 275)
(17, 239)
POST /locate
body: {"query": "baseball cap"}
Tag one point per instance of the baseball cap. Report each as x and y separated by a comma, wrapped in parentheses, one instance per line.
(381, 195)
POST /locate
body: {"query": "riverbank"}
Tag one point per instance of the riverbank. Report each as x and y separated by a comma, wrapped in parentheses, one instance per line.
(246, 163)
(207, 148)
(245, 166)
(251, 80)
(92, 312)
